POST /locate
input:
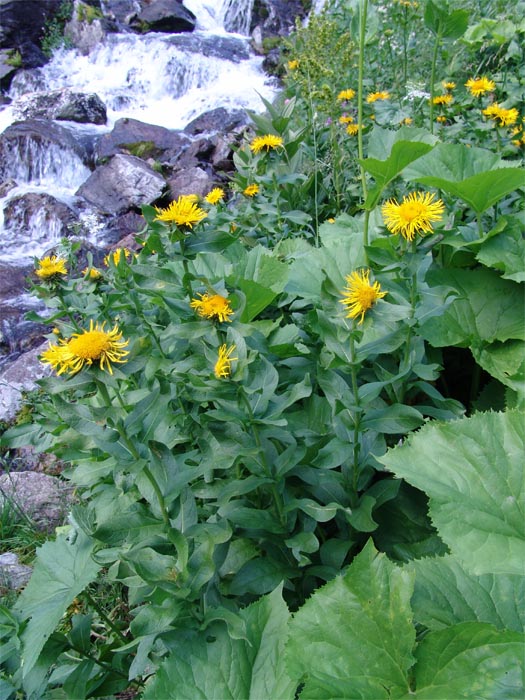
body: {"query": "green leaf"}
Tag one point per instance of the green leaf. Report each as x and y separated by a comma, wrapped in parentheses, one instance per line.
(397, 418)
(506, 362)
(470, 660)
(446, 594)
(258, 576)
(63, 569)
(212, 665)
(354, 637)
(442, 22)
(477, 176)
(504, 251)
(471, 470)
(261, 277)
(488, 308)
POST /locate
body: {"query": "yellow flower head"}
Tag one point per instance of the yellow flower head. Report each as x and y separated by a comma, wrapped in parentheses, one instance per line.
(116, 255)
(268, 141)
(346, 94)
(51, 268)
(448, 85)
(414, 215)
(251, 190)
(443, 99)
(506, 117)
(223, 366)
(346, 119)
(479, 86)
(212, 306)
(92, 273)
(374, 96)
(293, 65)
(182, 212)
(441, 119)
(360, 295)
(94, 345)
(352, 129)
(216, 194)
(407, 121)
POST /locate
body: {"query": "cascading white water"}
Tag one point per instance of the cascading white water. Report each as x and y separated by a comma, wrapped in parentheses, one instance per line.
(161, 79)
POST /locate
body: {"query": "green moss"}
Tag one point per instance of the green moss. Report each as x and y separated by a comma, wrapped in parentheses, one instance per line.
(14, 59)
(271, 42)
(88, 13)
(141, 149)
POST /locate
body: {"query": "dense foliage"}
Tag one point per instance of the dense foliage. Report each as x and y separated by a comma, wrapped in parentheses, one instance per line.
(294, 417)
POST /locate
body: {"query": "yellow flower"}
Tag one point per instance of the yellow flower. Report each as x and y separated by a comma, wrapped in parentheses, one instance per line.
(448, 85)
(374, 96)
(251, 190)
(265, 142)
(441, 119)
(212, 306)
(407, 121)
(51, 267)
(506, 117)
(223, 367)
(346, 119)
(414, 215)
(182, 211)
(331, 220)
(92, 273)
(116, 255)
(479, 86)
(346, 94)
(216, 194)
(352, 129)
(443, 99)
(360, 295)
(293, 65)
(84, 348)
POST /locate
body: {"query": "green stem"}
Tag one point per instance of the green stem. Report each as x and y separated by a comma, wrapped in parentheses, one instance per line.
(363, 8)
(480, 224)
(365, 233)
(103, 615)
(433, 78)
(102, 664)
(357, 415)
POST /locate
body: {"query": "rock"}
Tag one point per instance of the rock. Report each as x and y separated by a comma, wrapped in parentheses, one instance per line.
(126, 182)
(277, 17)
(164, 16)
(6, 186)
(191, 181)
(13, 575)
(216, 120)
(227, 48)
(17, 377)
(87, 26)
(44, 499)
(23, 20)
(38, 218)
(142, 140)
(124, 228)
(7, 71)
(122, 11)
(63, 104)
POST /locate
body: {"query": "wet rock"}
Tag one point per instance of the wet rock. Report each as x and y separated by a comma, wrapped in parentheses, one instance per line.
(164, 16)
(64, 105)
(216, 120)
(46, 500)
(36, 217)
(7, 70)
(227, 48)
(124, 228)
(190, 181)
(122, 11)
(6, 186)
(126, 182)
(17, 377)
(13, 575)
(142, 140)
(24, 20)
(277, 17)
(87, 26)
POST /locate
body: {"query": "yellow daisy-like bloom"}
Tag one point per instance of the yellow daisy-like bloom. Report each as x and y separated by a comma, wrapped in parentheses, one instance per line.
(506, 117)
(441, 119)
(223, 366)
(268, 141)
(443, 99)
(448, 84)
(414, 215)
(216, 194)
(479, 86)
(352, 129)
(293, 65)
(212, 306)
(346, 119)
(346, 94)
(92, 273)
(360, 295)
(407, 121)
(251, 190)
(374, 96)
(94, 345)
(51, 267)
(116, 255)
(182, 212)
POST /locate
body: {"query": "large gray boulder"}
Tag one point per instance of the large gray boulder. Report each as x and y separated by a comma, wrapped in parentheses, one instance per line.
(18, 377)
(63, 105)
(143, 140)
(126, 182)
(164, 16)
(13, 575)
(23, 21)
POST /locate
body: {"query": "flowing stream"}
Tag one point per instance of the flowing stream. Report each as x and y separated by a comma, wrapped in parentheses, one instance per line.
(161, 79)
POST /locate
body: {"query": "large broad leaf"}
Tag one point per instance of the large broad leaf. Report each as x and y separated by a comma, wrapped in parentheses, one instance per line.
(471, 660)
(354, 637)
(487, 309)
(442, 22)
(63, 569)
(472, 470)
(261, 278)
(211, 665)
(506, 362)
(504, 251)
(476, 176)
(446, 594)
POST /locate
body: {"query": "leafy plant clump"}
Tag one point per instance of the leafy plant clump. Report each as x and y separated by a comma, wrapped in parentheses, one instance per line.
(294, 415)
(53, 37)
